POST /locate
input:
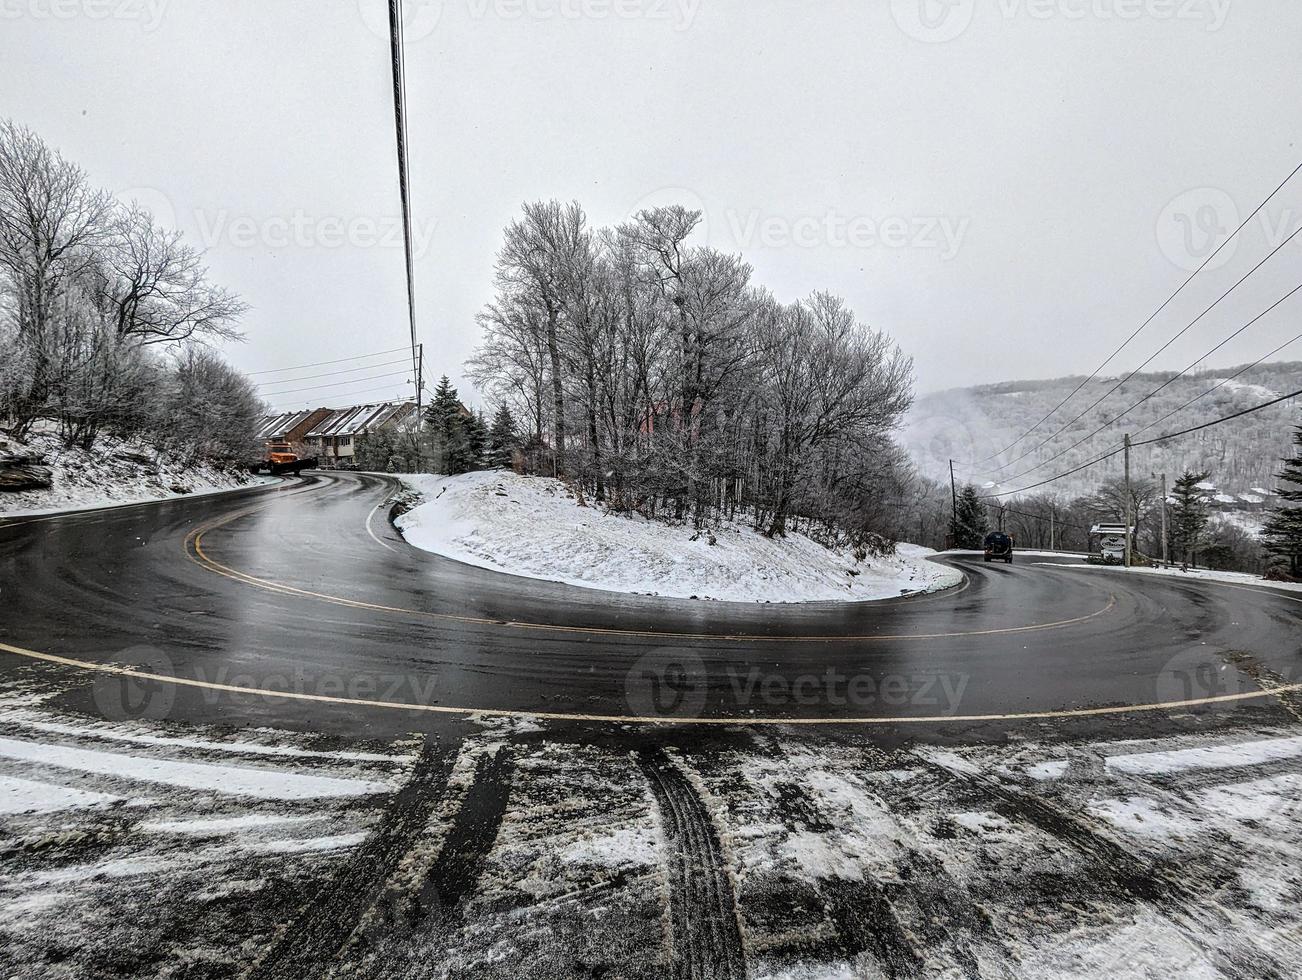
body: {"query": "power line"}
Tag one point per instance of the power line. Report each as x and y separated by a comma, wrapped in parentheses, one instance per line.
(1220, 384)
(1149, 442)
(1164, 384)
(337, 384)
(398, 52)
(341, 360)
(1215, 422)
(1106, 361)
(352, 394)
(333, 374)
(1189, 326)
(1041, 517)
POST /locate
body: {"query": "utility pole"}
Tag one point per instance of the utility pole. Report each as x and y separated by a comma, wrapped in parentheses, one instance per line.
(953, 497)
(1130, 527)
(1051, 516)
(420, 414)
(1166, 557)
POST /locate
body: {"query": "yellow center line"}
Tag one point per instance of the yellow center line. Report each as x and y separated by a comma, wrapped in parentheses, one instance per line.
(195, 552)
(1062, 713)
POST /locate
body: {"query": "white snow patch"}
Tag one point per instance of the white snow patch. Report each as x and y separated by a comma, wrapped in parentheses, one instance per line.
(30, 796)
(1053, 769)
(534, 527)
(1257, 800)
(1207, 757)
(32, 720)
(1256, 391)
(222, 825)
(811, 971)
(1140, 816)
(622, 847)
(981, 821)
(1151, 946)
(264, 784)
(306, 845)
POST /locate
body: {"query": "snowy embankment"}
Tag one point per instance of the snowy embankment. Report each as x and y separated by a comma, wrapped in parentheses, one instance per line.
(535, 527)
(115, 472)
(1202, 574)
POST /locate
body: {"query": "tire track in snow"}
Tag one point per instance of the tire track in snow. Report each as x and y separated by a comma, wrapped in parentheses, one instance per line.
(866, 922)
(1167, 891)
(706, 938)
(315, 938)
(474, 831)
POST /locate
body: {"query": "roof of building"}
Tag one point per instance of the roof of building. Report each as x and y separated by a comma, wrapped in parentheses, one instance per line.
(1250, 498)
(359, 418)
(1207, 487)
(1223, 498)
(1263, 491)
(272, 426)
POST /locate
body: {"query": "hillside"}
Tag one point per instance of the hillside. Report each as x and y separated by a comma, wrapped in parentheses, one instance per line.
(969, 424)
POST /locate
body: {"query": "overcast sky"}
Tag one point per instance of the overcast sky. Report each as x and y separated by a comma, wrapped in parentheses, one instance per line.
(1007, 187)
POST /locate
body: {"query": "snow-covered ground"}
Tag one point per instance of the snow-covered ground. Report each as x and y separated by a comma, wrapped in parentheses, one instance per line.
(114, 472)
(534, 526)
(144, 849)
(1203, 574)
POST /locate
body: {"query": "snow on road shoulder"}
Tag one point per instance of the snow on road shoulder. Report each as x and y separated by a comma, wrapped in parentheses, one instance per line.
(114, 473)
(1202, 574)
(534, 527)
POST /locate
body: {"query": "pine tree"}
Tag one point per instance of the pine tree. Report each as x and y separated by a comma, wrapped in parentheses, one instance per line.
(1189, 518)
(1282, 534)
(502, 440)
(969, 524)
(446, 421)
(476, 441)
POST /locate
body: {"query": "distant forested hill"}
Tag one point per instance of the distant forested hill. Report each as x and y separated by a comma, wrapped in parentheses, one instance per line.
(969, 424)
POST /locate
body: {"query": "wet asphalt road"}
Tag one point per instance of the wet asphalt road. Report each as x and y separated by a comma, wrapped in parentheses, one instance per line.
(306, 589)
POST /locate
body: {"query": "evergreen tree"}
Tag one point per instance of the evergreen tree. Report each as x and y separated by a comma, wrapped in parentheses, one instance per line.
(969, 524)
(446, 421)
(1189, 518)
(376, 451)
(502, 439)
(476, 440)
(1282, 534)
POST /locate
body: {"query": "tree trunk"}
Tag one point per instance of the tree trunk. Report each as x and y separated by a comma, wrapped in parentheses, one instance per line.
(558, 391)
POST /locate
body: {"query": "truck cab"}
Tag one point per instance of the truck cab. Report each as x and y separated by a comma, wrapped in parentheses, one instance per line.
(998, 547)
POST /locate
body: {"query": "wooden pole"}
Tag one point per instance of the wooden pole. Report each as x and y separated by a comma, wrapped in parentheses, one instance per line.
(1130, 526)
(1166, 555)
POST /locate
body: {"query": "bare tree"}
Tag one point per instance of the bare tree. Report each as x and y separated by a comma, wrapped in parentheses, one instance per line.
(51, 221)
(155, 288)
(674, 384)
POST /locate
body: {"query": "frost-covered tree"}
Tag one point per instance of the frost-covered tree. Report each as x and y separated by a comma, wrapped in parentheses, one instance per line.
(669, 383)
(97, 309)
(1189, 518)
(1282, 534)
(969, 524)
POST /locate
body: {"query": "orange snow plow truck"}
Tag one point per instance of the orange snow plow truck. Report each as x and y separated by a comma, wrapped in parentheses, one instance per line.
(280, 458)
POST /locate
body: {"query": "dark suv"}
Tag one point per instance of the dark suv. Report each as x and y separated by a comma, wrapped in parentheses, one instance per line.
(999, 547)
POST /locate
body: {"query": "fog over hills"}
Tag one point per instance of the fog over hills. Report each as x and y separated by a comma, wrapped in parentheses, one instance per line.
(977, 425)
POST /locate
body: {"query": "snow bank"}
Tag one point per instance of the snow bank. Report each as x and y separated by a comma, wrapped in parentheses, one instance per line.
(534, 527)
(1206, 575)
(114, 472)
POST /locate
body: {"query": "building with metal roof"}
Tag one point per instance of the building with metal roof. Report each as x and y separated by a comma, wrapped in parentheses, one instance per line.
(334, 437)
